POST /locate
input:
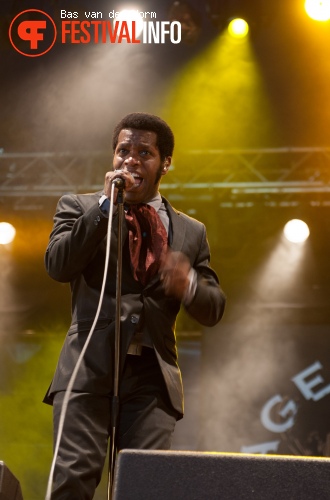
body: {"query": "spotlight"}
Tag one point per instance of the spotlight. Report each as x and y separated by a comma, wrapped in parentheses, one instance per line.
(7, 233)
(130, 15)
(238, 28)
(319, 10)
(296, 231)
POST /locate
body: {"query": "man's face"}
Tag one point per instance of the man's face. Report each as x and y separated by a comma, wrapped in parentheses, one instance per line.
(137, 152)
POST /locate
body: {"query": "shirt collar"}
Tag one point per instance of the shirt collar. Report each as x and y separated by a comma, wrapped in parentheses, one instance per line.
(156, 201)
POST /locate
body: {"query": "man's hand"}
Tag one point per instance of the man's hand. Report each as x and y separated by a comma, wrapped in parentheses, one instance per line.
(174, 274)
(114, 174)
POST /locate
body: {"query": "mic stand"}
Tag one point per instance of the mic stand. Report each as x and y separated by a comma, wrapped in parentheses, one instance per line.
(115, 398)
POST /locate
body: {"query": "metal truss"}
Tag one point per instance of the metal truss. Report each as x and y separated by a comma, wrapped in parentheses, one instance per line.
(30, 181)
(267, 170)
(226, 174)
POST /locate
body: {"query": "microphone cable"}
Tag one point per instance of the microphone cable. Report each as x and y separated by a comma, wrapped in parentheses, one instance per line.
(81, 356)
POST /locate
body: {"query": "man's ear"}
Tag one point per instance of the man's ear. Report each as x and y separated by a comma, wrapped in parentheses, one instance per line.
(166, 165)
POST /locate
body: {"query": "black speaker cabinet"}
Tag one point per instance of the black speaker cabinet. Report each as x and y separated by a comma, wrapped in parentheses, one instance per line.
(177, 475)
(10, 488)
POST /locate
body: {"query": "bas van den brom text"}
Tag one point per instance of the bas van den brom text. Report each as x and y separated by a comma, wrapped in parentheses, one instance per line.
(94, 29)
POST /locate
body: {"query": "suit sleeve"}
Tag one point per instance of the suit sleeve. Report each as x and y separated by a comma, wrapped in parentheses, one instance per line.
(207, 306)
(74, 239)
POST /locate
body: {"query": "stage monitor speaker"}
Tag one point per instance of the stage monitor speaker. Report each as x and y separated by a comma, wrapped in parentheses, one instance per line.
(176, 475)
(10, 488)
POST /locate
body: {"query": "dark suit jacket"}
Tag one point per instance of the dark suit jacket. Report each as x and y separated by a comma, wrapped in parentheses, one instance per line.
(76, 254)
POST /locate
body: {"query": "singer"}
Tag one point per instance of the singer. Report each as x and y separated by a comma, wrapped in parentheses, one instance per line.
(165, 266)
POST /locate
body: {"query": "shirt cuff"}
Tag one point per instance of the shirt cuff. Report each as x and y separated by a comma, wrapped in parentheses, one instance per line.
(191, 289)
(104, 205)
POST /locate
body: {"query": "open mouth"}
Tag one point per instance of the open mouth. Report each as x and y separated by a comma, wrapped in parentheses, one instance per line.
(137, 180)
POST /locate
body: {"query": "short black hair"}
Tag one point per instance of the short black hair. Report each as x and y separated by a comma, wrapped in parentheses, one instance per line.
(151, 123)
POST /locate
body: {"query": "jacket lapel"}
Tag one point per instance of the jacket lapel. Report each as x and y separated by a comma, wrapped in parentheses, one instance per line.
(177, 227)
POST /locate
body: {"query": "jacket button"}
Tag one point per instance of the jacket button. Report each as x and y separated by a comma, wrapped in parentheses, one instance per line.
(97, 220)
(134, 319)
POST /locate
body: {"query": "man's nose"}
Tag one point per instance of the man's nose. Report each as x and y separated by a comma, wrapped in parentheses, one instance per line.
(132, 160)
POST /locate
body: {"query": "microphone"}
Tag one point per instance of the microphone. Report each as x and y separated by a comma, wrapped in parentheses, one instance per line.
(119, 182)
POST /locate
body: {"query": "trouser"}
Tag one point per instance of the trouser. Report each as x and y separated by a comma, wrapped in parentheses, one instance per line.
(146, 421)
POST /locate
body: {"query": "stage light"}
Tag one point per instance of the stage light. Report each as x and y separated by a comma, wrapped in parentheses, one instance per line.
(238, 28)
(215, 102)
(296, 231)
(130, 15)
(7, 233)
(319, 10)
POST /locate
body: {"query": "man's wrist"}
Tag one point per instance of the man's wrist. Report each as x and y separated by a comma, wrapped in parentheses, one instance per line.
(191, 289)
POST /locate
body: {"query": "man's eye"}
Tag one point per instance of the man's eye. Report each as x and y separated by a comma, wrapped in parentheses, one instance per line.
(144, 152)
(122, 151)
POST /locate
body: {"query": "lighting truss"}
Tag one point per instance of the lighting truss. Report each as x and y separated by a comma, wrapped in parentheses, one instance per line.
(287, 171)
(267, 170)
